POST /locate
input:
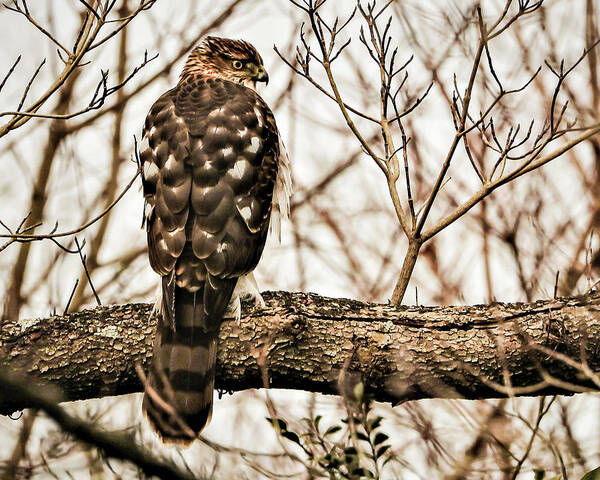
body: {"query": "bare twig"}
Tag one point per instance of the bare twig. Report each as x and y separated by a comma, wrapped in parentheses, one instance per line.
(10, 72)
(82, 257)
(28, 238)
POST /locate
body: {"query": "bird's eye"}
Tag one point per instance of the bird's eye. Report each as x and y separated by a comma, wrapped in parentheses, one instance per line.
(237, 64)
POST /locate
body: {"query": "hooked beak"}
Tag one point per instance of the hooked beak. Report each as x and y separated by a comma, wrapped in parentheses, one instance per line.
(262, 75)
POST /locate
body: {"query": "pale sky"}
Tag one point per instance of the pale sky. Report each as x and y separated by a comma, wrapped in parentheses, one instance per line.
(359, 197)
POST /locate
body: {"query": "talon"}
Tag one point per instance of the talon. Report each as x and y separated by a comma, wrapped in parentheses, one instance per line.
(259, 301)
(247, 289)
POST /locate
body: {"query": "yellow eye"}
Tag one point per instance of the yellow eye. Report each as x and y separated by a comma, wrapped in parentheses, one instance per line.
(237, 64)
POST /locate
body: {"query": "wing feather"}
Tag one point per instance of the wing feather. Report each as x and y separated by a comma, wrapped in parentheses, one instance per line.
(210, 166)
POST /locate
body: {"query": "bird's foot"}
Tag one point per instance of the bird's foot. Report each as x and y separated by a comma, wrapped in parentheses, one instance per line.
(247, 289)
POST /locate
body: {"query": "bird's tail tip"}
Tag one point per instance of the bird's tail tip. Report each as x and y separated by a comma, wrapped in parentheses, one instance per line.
(171, 424)
(170, 433)
(178, 393)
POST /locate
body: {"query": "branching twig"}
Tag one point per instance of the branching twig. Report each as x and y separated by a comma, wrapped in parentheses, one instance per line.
(18, 237)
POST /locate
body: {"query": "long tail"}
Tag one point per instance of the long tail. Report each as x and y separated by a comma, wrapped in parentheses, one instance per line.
(180, 384)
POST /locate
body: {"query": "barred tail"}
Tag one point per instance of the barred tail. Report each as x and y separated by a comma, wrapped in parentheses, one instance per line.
(180, 384)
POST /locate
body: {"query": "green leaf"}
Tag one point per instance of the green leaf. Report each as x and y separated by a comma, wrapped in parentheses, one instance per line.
(292, 436)
(382, 450)
(373, 424)
(278, 423)
(592, 475)
(333, 429)
(350, 451)
(331, 461)
(363, 472)
(380, 438)
(317, 420)
(362, 436)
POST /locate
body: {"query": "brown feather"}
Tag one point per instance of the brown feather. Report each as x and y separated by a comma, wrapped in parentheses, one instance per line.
(210, 161)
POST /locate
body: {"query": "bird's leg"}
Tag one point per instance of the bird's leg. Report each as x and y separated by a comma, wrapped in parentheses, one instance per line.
(234, 309)
(245, 289)
(158, 302)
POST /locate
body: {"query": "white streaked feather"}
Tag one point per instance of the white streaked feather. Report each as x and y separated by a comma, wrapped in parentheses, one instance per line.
(246, 288)
(254, 144)
(156, 309)
(150, 172)
(259, 117)
(144, 144)
(148, 208)
(170, 163)
(239, 169)
(227, 151)
(249, 84)
(281, 193)
(216, 112)
(219, 130)
(246, 213)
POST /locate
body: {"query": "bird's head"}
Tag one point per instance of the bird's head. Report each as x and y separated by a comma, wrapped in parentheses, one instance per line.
(233, 60)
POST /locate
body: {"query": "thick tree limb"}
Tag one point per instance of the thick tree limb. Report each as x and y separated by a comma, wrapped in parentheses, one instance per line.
(309, 342)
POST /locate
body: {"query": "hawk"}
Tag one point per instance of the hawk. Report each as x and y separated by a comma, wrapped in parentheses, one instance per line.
(215, 176)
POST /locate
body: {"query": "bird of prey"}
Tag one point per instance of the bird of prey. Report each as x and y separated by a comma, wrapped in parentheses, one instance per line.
(215, 176)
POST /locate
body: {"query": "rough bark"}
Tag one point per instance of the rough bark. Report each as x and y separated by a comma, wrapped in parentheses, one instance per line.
(304, 341)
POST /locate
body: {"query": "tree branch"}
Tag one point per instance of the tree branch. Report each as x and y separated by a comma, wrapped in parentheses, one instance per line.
(308, 341)
(115, 445)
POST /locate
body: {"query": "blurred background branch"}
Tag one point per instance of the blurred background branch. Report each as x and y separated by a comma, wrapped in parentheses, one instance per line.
(402, 120)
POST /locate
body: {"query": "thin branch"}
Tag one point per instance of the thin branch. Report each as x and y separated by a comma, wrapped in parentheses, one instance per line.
(10, 71)
(321, 89)
(28, 238)
(66, 310)
(28, 86)
(82, 257)
(144, 5)
(489, 188)
(101, 93)
(16, 8)
(90, 9)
